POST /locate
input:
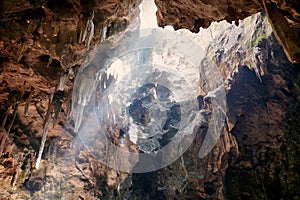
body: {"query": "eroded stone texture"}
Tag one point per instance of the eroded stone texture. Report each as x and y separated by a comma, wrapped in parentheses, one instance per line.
(38, 45)
(192, 15)
(253, 156)
(257, 156)
(265, 132)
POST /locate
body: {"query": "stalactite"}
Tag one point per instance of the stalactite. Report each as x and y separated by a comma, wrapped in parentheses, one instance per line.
(5, 117)
(78, 119)
(62, 81)
(13, 119)
(45, 131)
(3, 138)
(55, 103)
(103, 33)
(89, 30)
(57, 108)
(28, 100)
(79, 28)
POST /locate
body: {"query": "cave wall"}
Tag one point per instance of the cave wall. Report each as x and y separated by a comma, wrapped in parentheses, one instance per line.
(193, 15)
(266, 132)
(255, 158)
(39, 46)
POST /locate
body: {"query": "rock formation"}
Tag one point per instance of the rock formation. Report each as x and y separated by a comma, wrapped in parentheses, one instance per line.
(42, 48)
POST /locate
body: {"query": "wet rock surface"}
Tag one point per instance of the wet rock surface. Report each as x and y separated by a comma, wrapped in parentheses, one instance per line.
(256, 157)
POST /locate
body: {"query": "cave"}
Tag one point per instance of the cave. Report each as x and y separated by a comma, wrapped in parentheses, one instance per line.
(149, 99)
